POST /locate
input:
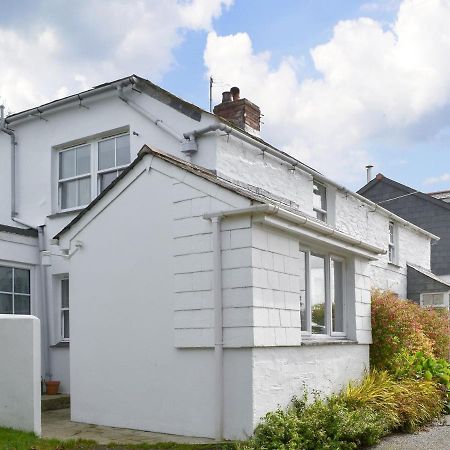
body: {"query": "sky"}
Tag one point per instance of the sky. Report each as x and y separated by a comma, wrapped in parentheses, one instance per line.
(341, 83)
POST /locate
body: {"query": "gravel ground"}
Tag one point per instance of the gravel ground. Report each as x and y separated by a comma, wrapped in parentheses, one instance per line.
(436, 437)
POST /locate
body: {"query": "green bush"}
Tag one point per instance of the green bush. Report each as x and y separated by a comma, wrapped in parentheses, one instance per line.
(358, 416)
(323, 424)
(421, 366)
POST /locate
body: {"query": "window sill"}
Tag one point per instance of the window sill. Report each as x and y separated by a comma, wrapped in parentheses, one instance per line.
(66, 213)
(393, 264)
(327, 341)
(61, 344)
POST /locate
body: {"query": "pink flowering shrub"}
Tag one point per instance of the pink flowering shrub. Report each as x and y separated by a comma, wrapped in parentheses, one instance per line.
(397, 329)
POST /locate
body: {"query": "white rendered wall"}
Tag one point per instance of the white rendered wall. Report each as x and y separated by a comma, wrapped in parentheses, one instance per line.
(280, 373)
(20, 373)
(125, 368)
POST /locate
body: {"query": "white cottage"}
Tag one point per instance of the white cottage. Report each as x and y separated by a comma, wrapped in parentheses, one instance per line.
(206, 282)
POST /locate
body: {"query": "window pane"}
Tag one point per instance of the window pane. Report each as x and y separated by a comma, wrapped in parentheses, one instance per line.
(438, 299)
(6, 304)
(427, 299)
(106, 154)
(84, 191)
(106, 179)
(303, 320)
(337, 296)
(65, 324)
(21, 304)
(123, 150)
(22, 281)
(83, 160)
(64, 293)
(5, 279)
(317, 264)
(319, 197)
(69, 194)
(67, 164)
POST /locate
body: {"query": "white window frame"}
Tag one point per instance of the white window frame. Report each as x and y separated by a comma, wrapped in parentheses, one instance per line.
(445, 298)
(21, 267)
(63, 309)
(393, 243)
(94, 173)
(115, 168)
(61, 181)
(320, 211)
(307, 328)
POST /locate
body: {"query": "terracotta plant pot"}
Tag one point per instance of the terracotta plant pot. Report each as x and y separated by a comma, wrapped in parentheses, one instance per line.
(51, 387)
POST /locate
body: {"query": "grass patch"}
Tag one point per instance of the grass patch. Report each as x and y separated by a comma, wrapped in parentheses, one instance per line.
(19, 440)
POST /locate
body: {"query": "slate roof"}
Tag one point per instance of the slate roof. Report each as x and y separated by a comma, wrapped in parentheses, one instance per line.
(20, 231)
(429, 274)
(380, 178)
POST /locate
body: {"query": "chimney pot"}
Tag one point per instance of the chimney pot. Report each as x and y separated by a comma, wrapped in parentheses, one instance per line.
(240, 111)
(235, 92)
(226, 96)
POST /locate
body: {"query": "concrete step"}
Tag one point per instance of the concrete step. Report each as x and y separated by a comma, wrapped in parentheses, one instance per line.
(51, 402)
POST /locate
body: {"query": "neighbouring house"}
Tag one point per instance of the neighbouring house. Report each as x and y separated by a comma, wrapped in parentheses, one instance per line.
(189, 276)
(430, 212)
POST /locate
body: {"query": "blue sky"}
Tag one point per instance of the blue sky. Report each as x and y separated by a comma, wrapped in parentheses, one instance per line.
(341, 83)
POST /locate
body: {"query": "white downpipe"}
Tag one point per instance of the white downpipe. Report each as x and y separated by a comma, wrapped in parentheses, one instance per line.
(218, 327)
(194, 134)
(41, 245)
(45, 307)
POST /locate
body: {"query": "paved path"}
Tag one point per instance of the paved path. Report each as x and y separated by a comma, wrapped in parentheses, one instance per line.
(436, 437)
(57, 425)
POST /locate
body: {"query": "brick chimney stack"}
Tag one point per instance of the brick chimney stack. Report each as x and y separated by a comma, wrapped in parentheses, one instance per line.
(240, 111)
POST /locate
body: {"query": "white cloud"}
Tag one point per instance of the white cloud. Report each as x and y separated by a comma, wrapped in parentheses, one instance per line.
(380, 6)
(40, 62)
(438, 179)
(372, 81)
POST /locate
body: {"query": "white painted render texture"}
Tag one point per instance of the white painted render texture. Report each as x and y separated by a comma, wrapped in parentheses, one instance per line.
(141, 282)
(143, 310)
(20, 373)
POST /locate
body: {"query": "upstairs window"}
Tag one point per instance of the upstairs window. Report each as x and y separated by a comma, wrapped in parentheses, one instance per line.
(14, 291)
(113, 158)
(392, 250)
(320, 201)
(86, 170)
(74, 187)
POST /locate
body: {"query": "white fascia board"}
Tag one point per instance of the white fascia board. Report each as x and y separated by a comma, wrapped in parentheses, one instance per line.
(315, 237)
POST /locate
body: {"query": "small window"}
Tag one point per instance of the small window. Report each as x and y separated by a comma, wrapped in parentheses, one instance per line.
(113, 158)
(392, 251)
(434, 300)
(14, 291)
(74, 185)
(65, 333)
(320, 201)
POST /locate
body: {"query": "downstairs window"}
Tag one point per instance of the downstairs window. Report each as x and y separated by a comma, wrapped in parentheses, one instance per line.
(15, 295)
(322, 301)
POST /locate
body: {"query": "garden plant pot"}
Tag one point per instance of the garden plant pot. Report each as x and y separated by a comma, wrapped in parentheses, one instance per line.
(51, 387)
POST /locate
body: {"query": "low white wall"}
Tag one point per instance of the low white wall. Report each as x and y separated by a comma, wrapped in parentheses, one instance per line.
(20, 373)
(279, 373)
